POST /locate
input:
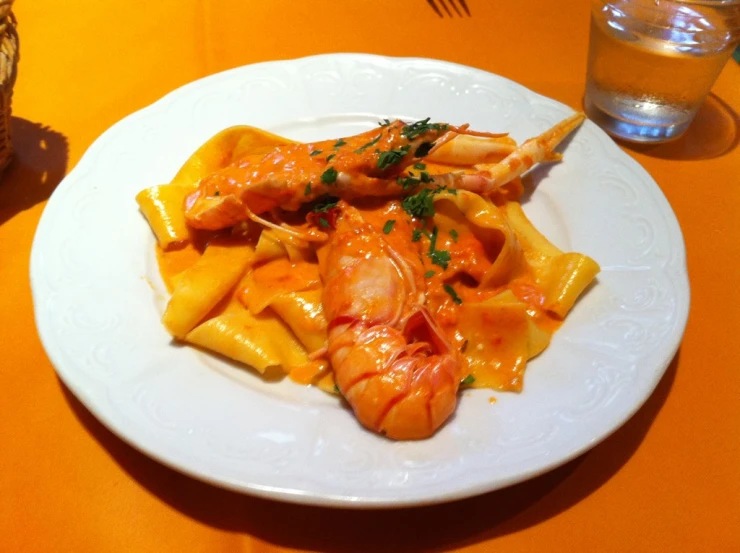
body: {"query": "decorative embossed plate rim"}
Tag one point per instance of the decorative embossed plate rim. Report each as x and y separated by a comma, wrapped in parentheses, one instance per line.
(98, 297)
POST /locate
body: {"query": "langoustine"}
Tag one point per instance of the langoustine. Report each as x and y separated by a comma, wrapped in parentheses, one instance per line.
(391, 360)
(375, 163)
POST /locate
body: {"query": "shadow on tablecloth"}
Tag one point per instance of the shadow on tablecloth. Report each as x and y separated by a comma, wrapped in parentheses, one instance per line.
(714, 132)
(39, 163)
(435, 528)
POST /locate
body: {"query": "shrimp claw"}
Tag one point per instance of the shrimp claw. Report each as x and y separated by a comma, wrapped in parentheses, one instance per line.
(489, 177)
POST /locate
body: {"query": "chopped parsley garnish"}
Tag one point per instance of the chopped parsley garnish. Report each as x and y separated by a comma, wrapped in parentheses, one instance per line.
(326, 203)
(384, 123)
(429, 274)
(386, 159)
(323, 222)
(468, 380)
(420, 166)
(336, 389)
(419, 205)
(217, 193)
(451, 291)
(408, 182)
(329, 157)
(416, 235)
(373, 142)
(433, 240)
(411, 180)
(454, 235)
(388, 226)
(307, 191)
(438, 257)
(339, 143)
(329, 176)
(420, 127)
(424, 149)
(315, 153)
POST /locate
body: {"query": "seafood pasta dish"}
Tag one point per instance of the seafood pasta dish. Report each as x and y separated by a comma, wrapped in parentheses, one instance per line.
(391, 268)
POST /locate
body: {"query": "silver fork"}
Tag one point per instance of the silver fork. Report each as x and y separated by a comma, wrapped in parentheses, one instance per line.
(453, 3)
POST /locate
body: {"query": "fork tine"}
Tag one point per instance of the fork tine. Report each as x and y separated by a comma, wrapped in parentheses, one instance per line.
(434, 7)
(465, 7)
(445, 7)
(454, 6)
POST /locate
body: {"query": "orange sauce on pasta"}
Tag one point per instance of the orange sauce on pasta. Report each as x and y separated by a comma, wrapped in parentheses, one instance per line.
(173, 262)
(469, 259)
(283, 275)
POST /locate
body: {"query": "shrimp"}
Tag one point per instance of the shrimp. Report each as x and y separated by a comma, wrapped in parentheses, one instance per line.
(391, 360)
(291, 175)
(375, 163)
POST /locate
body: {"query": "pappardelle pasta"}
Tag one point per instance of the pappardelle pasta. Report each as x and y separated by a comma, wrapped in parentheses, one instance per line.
(392, 267)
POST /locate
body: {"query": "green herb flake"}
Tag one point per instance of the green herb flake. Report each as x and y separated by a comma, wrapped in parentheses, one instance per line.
(420, 166)
(384, 123)
(416, 235)
(468, 380)
(392, 157)
(454, 235)
(307, 191)
(429, 274)
(422, 127)
(329, 157)
(329, 176)
(324, 223)
(433, 240)
(336, 389)
(315, 153)
(440, 257)
(407, 182)
(451, 291)
(419, 205)
(373, 142)
(217, 193)
(388, 227)
(339, 143)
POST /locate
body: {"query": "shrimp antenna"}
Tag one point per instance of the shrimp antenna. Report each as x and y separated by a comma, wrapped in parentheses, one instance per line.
(306, 236)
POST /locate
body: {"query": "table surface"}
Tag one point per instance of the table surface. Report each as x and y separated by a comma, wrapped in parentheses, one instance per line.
(667, 480)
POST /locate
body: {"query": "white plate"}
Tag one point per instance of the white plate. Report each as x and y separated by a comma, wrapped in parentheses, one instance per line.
(98, 296)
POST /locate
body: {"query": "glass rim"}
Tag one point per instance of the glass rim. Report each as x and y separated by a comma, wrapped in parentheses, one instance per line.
(715, 3)
(707, 2)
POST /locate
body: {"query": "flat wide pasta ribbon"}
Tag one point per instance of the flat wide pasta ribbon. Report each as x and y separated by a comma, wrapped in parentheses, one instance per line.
(163, 205)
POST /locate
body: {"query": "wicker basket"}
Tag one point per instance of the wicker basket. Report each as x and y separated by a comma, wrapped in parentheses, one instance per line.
(8, 67)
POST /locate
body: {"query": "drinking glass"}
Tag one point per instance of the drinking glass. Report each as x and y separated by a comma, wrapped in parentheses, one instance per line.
(651, 63)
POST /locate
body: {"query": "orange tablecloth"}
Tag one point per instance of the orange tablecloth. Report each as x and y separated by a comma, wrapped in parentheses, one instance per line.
(666, 481)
